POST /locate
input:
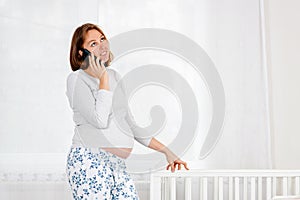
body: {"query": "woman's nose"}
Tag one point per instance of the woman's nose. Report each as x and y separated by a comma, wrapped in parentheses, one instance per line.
(102, 47)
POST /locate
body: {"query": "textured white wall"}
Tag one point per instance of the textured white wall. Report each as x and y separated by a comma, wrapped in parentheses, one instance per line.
(283, 31)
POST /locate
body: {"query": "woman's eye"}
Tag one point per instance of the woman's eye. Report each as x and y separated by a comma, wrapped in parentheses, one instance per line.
(93, 44)
(102, 39)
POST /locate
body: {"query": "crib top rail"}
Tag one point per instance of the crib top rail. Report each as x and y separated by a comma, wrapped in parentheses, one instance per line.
(228, 173)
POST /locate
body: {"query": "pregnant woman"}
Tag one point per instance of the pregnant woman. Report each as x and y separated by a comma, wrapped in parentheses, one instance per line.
(96, 161)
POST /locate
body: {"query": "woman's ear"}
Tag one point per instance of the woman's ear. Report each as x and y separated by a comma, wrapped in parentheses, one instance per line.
(80, 52)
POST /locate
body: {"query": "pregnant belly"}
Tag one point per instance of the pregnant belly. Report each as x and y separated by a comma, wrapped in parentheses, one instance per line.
(121, 152)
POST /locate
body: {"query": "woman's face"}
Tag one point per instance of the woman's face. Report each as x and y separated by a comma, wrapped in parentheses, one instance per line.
(95, 42)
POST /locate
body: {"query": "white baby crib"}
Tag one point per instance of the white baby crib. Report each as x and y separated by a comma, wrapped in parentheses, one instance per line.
(225, 184)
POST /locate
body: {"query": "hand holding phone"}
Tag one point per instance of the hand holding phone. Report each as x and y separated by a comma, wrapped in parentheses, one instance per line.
(85, 57)
(98, 68)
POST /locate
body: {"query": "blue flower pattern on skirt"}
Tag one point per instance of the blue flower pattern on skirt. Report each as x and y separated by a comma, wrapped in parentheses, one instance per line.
(94, 173)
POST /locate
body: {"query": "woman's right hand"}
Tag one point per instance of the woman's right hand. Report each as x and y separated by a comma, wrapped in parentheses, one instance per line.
(97, 69)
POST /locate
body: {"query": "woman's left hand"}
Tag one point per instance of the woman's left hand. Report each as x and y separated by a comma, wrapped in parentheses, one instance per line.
(177, 162)
(173, 160)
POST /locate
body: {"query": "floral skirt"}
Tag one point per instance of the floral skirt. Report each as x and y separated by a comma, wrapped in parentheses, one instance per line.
(98, 174)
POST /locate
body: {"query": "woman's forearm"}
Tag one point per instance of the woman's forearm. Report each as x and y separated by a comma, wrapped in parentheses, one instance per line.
(158, 146)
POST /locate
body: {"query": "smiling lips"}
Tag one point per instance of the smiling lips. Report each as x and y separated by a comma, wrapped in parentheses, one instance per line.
(103, 53)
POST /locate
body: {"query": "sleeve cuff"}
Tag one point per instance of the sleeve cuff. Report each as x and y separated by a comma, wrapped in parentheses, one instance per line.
(106, 92)
(104, 97)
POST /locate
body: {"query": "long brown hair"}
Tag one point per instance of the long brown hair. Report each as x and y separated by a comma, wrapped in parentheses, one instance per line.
(77, 42)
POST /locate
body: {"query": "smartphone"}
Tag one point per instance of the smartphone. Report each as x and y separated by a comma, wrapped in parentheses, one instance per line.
(85, 58)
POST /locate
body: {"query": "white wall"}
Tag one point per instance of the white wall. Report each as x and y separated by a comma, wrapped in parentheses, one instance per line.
(283, 31)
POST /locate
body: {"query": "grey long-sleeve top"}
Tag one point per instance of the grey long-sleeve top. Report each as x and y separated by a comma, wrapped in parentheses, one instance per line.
(95, 124)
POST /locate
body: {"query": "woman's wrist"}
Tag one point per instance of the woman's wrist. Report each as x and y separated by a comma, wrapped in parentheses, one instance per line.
(104, 82)
(103, 86)
(169, 154)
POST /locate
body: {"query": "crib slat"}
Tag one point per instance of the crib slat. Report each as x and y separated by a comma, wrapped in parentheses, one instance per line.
(236, 188)
(269, 188)
(253, 194)
(297, 185)
(221, 188)
(216, 188)
(166, 186)
(155, 187)
(173, 188)
(285, 186)
(230, 187)
(245, 188)
(290, 183)
(274, 182)
(259, 188)
(204, 188)
(188, 188)
(200, 188)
